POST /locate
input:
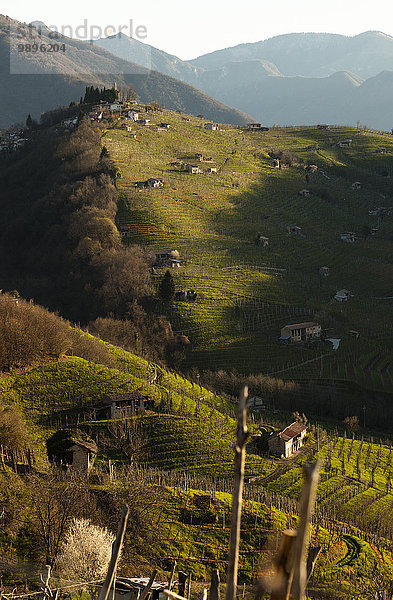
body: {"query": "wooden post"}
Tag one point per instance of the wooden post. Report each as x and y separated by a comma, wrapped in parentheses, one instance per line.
(215, 585)
(172, 575)
(284, 564)
(237, 497)
(189, 587)
(47, 593)
(311, 474)
(182, 583)
(147, 589)
(116, 547)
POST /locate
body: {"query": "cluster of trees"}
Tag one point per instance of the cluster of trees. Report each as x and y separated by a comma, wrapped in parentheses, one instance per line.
(94, 95)
(52, 519)
(61, 246)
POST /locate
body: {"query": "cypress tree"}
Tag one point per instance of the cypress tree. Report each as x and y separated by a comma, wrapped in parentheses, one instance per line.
(166, 289)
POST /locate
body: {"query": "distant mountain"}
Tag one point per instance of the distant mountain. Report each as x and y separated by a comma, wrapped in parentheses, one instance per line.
(312, 54)
(147, 56)
(292, 79)
(40, 81)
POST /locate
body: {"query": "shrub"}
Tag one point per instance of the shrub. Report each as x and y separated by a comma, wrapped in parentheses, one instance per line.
(86, 552)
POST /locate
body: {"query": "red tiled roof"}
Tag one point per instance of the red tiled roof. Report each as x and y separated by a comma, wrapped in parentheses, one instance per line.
(292, 431)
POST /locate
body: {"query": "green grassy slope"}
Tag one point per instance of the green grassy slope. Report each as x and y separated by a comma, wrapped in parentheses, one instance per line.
(213, 220)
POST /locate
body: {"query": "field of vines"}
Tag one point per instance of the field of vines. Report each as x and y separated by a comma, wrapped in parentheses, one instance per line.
(247, 293)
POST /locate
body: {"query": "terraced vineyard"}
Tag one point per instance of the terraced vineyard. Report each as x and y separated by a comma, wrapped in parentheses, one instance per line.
(247, 293)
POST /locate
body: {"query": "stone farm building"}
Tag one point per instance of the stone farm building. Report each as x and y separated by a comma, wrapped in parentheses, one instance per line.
(300, 332)
(80, 456)
(288, 441)
(125, 404)
(194, 169)
(168, 258)
(212, 126)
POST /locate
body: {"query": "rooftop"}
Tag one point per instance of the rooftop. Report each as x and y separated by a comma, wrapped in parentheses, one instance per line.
(292, 431)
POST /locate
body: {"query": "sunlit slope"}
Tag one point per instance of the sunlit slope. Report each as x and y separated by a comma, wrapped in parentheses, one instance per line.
(246, 292)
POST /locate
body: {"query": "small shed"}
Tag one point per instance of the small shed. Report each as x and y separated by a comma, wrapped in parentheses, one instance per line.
(344, 143)
(343, 295)
(288, 441)
(381, 150)
(194, 169)
(356, 185)
(304, 193)
(293, 230)
(212, 170)
(72, 449)
(80, 456)
(256, 403)
(324, 271)
(261, 241)
(348, 236)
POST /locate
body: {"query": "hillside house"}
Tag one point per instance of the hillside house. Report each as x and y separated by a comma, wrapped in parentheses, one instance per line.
(186, 296)
(80, 457)
(324, 272)
(199, 156)
(133, 115)
(354, 334)
(256, 127)
(300, 332)
(194, 169)
(212, 170)
(311, 169)
(124, 405)
(348, 236)
(168, 258)
(164, 126)
(256, 403)
(211, 126)
(322, 126)
(152, 182)
(356, 185)
(293, 230)
(381, 150)
(155, 182)
(275, 163)
(343, 295)
(344, 143)
(115, 107)
(288, 441)
(304, 193)
(261, 241)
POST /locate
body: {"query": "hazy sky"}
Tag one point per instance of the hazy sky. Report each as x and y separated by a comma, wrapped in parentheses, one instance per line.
(189, 29)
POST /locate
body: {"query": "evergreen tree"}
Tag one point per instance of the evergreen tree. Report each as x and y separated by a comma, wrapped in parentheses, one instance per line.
(29, 121)
(166, 289)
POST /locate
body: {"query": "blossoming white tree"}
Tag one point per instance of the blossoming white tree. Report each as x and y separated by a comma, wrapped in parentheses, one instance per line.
(86, 552)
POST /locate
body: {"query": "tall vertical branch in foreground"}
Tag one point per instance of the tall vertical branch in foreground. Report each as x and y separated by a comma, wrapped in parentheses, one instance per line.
(237, 498)
(306, 508)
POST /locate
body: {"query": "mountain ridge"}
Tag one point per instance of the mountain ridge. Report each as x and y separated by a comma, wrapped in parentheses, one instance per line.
(63, 77)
